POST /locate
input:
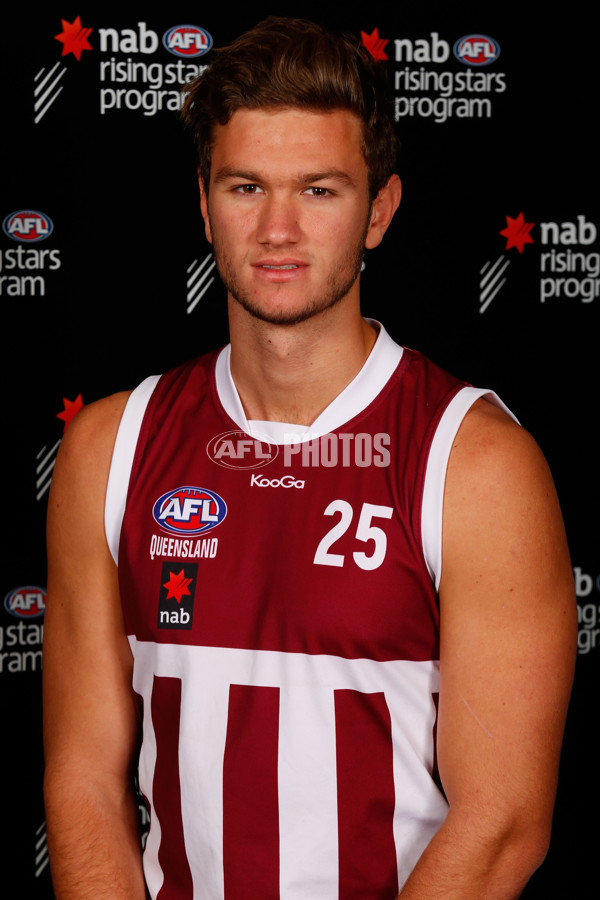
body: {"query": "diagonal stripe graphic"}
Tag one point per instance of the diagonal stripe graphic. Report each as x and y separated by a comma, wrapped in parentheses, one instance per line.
(50, 91)
(41, 846)
(196, 283)
(44, 469)
(491, 281)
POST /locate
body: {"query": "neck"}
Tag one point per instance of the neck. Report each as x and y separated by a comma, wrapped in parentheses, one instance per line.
(291, 373)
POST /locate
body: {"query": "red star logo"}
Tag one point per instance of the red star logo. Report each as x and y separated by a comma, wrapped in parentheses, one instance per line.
(74, 37)
(71, 409)
(374, 44)
(517, 232)
(177, 585)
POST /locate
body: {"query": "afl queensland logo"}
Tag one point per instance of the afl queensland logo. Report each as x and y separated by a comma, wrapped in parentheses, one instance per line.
(476, 50)
(187, 41)
(189, 510)
(27, 226)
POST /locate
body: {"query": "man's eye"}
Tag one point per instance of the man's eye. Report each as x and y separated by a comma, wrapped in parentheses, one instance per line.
(247, 188)
(318, 191)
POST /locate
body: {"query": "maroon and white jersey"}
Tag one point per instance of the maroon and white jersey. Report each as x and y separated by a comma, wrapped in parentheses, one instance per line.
(278, 586)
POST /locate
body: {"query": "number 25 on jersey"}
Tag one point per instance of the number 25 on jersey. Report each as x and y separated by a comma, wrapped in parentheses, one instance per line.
(365, 532)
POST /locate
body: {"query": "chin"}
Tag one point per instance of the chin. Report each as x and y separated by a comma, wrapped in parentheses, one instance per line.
(288, 316)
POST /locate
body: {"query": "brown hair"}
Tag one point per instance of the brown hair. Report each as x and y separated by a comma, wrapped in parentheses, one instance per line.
(282, 63)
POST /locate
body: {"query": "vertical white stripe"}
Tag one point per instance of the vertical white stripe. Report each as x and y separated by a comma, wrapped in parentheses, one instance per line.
(307, 793)
(202, 739)
(418, 799)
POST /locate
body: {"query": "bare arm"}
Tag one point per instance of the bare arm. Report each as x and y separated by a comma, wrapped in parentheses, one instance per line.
(90, 723)
(508, 638)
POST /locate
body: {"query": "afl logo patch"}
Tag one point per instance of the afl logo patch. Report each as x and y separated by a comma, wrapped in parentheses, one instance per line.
(27, 226)
(26, 602)
(189, 510)
(477, 50)
(187, 41)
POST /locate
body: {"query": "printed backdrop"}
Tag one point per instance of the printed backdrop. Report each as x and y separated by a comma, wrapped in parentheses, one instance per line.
(491, 268)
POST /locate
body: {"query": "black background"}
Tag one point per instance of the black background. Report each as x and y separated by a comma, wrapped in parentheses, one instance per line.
(120, 190)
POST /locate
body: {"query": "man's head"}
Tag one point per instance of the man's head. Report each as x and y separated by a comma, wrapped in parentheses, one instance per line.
(292, 63)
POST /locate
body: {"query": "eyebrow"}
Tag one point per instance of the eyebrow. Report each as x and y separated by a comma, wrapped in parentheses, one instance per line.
(305, 178)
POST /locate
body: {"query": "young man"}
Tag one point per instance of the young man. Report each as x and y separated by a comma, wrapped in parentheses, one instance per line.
(327, 710)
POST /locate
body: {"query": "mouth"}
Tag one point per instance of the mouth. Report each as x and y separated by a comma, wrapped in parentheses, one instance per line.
(280, 271)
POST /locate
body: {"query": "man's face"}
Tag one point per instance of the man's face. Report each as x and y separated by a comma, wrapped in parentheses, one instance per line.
(288, 211)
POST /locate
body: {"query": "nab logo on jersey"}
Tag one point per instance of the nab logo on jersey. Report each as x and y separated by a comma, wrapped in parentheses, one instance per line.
(26, 602)
(477, 50)
(27, 226)
(187, 41)
(176, 598)
(189, 510)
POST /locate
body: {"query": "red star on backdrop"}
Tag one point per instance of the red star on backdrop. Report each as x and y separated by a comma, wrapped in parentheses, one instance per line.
(517, 232)
(74, 37)
(177, 585)
(71, 409)
(374, 44)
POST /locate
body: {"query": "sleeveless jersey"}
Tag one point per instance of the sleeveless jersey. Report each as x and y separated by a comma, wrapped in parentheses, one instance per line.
(279, 593)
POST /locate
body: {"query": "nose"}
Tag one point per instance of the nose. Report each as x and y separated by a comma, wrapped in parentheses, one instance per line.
(278, 222)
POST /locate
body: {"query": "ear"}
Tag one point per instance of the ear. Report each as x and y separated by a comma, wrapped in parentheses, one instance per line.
(384, 207)
(204, 210)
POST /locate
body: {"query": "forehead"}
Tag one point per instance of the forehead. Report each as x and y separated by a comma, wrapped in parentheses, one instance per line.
(289, 139)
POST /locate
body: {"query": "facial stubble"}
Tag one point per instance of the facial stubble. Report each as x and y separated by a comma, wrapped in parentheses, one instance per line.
(338, 284)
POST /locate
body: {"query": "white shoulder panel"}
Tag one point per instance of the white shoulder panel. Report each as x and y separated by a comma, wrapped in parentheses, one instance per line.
(122, 461)
(435, 476)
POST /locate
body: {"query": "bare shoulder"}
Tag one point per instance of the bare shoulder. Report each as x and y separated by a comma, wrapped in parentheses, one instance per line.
(502, 518)
(496, 465)
(81, 473)
(490, 439)
(92, 432)
(82, 576)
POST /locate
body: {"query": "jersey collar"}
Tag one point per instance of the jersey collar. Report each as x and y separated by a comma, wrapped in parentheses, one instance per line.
(362, 390)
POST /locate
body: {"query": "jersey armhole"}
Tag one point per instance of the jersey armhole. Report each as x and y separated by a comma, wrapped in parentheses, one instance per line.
(122, 461)
(435, 475)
